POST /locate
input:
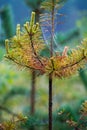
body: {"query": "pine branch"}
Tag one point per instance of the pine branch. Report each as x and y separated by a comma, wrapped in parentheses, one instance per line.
(18, 63)
(38, 58)
(13, 124)
(81, 122)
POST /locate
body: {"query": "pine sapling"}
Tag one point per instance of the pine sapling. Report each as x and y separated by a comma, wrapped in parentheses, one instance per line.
(24, 49)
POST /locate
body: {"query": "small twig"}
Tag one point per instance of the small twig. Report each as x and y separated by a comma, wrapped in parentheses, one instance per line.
(66, 67)
(74, 63)
(14, 60)
(32, 45)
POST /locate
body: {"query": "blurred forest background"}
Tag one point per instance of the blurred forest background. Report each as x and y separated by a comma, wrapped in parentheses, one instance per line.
(16, 92)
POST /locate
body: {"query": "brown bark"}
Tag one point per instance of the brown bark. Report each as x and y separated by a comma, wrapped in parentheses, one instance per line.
(33, 93)
(50, 102)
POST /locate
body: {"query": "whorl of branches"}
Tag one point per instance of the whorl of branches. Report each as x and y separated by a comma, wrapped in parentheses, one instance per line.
(25, 47)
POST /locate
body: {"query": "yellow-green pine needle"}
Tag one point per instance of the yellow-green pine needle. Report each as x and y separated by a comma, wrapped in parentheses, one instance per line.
(27, 23)
(18, 31)
(35, 27)
(26, 27)
(6, 45)
(32, 21)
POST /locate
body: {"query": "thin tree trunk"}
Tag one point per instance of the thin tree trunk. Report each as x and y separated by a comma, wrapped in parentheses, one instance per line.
(33, 93)
(50, 102)
(50, 76)
(33, 89)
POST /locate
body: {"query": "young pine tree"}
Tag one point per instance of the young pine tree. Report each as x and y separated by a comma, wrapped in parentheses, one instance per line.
(25, 47)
